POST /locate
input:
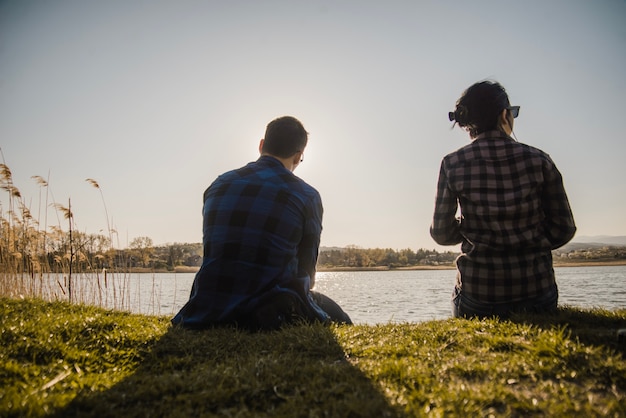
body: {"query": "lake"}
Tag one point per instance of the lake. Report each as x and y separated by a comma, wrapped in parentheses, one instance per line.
(369, 297)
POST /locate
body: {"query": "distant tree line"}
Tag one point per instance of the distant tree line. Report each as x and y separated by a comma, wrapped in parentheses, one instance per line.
(353, 256)
(141, 253)
(190, 255)
(585, 254)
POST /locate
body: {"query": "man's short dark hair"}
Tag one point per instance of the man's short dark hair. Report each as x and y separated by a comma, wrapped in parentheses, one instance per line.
(284, 137)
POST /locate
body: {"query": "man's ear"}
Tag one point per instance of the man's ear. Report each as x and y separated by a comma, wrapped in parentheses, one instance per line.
(297, 157)
(261, 142)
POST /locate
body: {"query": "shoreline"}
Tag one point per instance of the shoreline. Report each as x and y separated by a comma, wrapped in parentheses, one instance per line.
(602, 263)
(599, 263)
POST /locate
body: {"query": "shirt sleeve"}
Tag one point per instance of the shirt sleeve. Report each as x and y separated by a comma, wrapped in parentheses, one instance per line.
(308, 249)
(559, 223)
(445, 228)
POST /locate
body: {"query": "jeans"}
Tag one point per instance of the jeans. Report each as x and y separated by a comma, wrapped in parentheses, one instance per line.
(331, 307)
(285, 308)
(464, 306)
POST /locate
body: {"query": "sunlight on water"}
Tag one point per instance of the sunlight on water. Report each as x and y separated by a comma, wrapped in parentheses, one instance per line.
(390, 296)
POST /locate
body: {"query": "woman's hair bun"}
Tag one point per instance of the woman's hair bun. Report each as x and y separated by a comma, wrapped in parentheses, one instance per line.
(461, 114)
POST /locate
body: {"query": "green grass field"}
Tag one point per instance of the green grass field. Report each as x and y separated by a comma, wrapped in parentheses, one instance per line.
(58, 359)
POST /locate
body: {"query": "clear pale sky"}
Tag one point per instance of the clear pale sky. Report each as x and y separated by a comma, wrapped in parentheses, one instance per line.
(154, 100)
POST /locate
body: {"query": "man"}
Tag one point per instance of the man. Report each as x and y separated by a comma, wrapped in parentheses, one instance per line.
(261, 236)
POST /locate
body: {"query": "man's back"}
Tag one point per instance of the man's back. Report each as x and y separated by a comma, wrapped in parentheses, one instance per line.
(261, 234)
(262, 227)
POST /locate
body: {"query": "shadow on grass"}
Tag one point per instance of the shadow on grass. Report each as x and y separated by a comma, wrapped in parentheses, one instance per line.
(298, 371)
(596, 327)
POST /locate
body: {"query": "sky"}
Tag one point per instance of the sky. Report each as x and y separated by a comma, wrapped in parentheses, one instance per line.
(154, 99)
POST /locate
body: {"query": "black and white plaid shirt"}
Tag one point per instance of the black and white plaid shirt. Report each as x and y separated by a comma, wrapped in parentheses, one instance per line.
(514, 211)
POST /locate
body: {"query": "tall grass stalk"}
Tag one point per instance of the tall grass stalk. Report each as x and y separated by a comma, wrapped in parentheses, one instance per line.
(57, 262)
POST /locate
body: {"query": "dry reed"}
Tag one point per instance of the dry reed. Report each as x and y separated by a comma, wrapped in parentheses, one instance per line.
(52, 263)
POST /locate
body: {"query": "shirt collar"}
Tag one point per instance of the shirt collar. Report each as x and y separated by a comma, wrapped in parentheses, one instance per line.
(269, 161)
(493, 134)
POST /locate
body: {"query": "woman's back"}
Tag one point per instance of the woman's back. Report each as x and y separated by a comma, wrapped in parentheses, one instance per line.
(513, 207)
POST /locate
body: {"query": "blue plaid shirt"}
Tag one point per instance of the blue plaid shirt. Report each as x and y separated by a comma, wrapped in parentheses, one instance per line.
(514, 211)
(261, 236)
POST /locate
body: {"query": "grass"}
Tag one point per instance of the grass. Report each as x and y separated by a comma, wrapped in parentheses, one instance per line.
(59, 359)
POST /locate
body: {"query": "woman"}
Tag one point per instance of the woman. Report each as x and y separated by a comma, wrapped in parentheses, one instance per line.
(513, 211)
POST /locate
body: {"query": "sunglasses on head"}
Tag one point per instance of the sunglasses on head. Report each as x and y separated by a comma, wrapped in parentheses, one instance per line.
(514, 110)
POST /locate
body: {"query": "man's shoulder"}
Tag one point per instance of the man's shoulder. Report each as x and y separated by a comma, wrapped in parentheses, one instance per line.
(310, 190)
(266, 177)
(250, 169)
(298, 186)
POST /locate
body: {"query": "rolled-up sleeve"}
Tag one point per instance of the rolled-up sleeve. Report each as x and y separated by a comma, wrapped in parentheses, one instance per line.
(308, 250)
(559, 223)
